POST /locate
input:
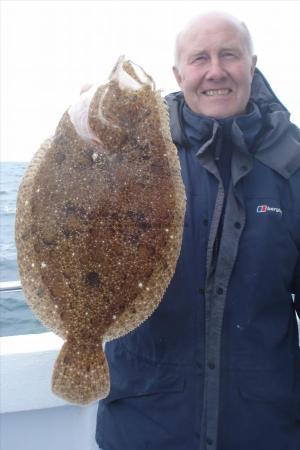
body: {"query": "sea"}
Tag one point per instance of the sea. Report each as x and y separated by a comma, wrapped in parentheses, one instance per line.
(16, 317)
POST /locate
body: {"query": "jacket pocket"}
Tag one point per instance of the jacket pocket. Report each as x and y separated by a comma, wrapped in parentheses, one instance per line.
(262, 409)
(145, 414)
(276, 391)
(146, 406)
(146, 387)
(135, 376)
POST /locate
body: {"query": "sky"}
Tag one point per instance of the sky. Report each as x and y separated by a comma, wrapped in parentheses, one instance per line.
(50, 49)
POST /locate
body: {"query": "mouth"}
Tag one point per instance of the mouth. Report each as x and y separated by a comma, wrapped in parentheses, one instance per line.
(217, 92)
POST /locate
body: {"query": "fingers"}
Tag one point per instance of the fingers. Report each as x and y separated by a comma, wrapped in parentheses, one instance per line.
(85, 88)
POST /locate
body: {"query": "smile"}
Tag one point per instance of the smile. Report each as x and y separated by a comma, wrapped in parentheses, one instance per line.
(215, 92)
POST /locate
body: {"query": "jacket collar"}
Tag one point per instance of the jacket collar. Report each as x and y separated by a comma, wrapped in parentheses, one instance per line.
(278, 145)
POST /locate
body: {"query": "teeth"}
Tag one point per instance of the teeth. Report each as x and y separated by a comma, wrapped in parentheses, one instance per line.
(213, 92)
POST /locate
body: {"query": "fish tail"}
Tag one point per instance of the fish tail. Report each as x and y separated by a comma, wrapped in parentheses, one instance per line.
(81, 375)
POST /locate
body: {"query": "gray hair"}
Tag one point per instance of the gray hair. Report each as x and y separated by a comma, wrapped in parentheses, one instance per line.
(239, 24)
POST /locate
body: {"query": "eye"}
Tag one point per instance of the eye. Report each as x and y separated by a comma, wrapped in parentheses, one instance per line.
(229, 54)
(200, 58)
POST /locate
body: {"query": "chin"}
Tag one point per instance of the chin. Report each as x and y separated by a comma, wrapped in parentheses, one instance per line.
(217, 114)
(222, 114)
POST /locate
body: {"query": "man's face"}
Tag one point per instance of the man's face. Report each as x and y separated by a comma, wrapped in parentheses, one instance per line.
(215, 70)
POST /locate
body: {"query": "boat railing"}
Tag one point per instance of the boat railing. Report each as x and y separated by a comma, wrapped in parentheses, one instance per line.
(6, 286)
(27, 403)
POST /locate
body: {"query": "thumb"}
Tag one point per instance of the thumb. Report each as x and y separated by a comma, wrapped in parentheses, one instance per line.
(85, 88)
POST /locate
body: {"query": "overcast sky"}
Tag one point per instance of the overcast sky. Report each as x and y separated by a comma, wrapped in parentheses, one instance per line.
(49, 49)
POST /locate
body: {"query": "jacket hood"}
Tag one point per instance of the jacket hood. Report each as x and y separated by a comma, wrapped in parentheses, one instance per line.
(278, 145)
(263, 95)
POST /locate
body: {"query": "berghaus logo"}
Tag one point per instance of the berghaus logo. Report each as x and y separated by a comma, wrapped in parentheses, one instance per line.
(267, 209)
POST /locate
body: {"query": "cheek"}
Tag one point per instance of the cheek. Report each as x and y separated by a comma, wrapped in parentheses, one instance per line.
(244, 77)
(191, 79)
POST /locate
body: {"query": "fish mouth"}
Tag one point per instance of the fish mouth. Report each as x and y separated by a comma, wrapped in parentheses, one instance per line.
(217, 92)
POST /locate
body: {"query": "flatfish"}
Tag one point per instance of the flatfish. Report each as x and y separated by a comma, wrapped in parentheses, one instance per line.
(99, 224)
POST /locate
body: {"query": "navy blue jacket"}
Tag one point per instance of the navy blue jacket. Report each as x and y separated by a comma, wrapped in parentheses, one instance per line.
(217, 365)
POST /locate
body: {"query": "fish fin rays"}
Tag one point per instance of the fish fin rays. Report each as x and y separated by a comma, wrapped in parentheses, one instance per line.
(81, 376)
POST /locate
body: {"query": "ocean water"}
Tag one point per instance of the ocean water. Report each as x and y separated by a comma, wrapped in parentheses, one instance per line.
(15, 316)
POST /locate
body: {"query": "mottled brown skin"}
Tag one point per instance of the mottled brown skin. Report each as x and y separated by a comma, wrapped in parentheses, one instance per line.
(98, 231)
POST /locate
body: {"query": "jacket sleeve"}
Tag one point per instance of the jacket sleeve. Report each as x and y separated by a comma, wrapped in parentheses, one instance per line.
(297, 288)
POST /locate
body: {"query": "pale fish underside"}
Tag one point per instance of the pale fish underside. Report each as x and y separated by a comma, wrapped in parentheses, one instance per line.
(99, 225)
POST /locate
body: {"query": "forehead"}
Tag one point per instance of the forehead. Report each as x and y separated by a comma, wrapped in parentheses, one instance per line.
(212, 35)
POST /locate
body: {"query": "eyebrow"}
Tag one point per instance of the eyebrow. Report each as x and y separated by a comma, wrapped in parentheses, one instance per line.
(197, 53)
(231, 49)
(200, 52)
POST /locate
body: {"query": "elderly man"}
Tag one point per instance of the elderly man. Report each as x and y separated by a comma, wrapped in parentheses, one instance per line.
(217, 366)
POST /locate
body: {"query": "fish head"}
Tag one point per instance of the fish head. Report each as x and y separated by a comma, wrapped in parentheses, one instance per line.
(108, 114)
(130, 76)
(119, 108)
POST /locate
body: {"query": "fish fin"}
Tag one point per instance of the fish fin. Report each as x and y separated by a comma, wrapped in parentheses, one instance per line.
(81, 375)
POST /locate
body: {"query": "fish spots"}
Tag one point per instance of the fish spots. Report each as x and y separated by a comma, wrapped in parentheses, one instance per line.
(70, 209)
(63, 315)
(94, 321)
(48, 239)
(73, 220)
(67, 360)
(84, 159)
(26, 235)
(140, 219)
(136, 216)
(108, 219)
(146, 251)
(157, 168)
(92, 279)
(40, 292)
(132, 238)
(60, 157)
(60, 139)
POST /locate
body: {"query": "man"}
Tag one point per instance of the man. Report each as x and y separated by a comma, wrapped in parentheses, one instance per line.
(217, 366)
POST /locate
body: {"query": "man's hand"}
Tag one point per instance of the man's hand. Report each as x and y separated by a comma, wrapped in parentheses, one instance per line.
(85, 88)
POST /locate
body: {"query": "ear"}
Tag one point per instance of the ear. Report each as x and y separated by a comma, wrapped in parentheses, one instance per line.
(253, 64)
(177, 75)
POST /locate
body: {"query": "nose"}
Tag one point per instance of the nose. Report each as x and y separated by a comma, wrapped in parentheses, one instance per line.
(215, 70)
